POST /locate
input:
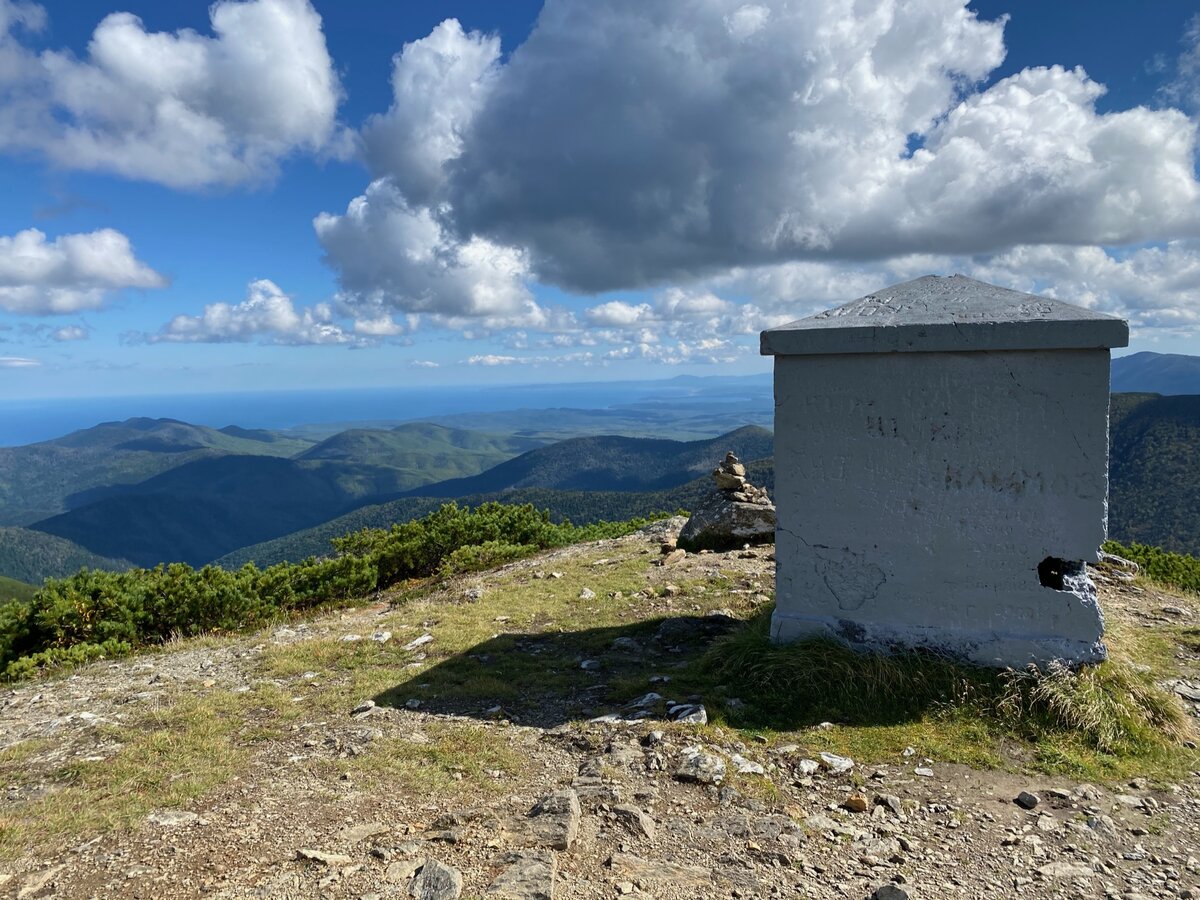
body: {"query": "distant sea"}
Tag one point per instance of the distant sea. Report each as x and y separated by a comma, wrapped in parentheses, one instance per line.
(29, 421)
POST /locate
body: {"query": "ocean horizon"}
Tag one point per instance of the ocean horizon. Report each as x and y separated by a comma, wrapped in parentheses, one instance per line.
(34, 420)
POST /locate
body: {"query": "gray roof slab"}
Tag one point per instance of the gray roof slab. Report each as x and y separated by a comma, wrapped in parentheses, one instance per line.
(947, 314)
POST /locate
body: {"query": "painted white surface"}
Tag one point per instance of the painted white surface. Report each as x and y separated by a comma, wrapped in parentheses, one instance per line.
(918, 492)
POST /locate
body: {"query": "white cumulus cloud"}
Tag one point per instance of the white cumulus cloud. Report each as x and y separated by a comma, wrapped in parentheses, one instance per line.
(71, 273)
(438, 84)
(182, 109)
(397, 256)
(267, 314)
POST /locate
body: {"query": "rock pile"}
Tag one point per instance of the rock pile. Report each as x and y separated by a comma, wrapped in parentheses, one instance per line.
(737, 512)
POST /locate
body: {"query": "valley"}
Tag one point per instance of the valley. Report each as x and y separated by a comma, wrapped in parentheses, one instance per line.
(146, 491)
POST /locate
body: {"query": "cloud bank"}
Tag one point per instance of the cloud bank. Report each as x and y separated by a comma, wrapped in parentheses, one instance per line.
(787, 155)
(267, 315)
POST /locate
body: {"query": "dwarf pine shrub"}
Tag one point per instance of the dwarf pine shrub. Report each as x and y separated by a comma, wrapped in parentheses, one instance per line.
(95, 614)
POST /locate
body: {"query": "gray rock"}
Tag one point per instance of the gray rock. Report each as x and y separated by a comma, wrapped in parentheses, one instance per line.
(1026, 800)
(636, 820)
(689, 713)
(635, 869)
(890, 892)
(723, 523)
(528, 875)
(436, 881)
(700, 767)
(587, 594)
(554, 821)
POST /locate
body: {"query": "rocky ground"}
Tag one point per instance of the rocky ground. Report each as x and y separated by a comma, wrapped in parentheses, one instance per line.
(363, 796)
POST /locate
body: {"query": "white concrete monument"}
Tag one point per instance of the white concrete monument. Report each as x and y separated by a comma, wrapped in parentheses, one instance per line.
(941, 472)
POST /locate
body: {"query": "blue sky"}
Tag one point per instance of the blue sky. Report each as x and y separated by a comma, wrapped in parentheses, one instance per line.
(631, 191)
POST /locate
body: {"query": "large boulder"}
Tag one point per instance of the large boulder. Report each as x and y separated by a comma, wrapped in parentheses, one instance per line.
(735, 514)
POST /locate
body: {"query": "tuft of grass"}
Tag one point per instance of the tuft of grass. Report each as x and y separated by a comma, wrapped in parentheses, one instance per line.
(1093, 720)
(170, 758)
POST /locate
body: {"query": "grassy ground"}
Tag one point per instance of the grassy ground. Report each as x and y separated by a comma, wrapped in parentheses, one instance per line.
(516, 652)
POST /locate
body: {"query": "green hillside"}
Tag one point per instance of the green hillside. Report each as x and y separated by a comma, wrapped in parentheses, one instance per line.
(44, 479)
(11, 589)
(425, 451)
(1154, 472)
(580, 507)
(608, 463)
(32, 557)
(207, 507)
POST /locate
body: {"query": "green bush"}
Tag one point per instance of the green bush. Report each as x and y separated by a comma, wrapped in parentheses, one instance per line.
(1173, 569)
(95, 613)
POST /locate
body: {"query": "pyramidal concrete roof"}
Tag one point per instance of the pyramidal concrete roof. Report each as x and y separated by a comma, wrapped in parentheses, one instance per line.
(947, 314)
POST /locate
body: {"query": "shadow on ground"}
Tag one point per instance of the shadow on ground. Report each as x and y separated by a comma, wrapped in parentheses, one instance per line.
(547, 679)
(727, 664)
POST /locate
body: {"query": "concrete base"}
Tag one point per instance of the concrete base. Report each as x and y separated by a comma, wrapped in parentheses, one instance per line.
(993, 650)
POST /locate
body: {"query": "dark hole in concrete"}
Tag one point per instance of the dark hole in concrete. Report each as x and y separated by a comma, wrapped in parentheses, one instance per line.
(1051, 571)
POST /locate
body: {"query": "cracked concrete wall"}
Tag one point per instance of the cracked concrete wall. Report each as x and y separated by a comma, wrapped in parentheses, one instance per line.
(918, 492)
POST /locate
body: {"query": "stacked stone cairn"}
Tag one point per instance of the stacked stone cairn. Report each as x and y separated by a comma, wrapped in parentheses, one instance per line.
(737, 513)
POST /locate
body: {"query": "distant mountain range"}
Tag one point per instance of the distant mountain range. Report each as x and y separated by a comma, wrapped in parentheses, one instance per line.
(205, 495)
(1156, 373)
(608, 463)
(149, 490)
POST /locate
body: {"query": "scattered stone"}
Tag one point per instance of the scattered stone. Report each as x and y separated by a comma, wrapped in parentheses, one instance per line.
(745, 766)
(923, 771)
(590, 665)
(172, 818)
(528, 875)
(554, 820)
(838, 765)
(363, 709)
(689, 713)
(636, 820)
(1065, 869)
(1026, 800)
(856, 803)
(325, 859)
(412, 703)
(587, 594)
(402, 872)
(700, 767)
(675, 556)
(351, 638)
(37, 882)
(381, 637)
(419, 642)
(436, 881)
(892, 803)
(807, 767)
(354, 834)
(626, 645)
(890, 892)
(636, 869)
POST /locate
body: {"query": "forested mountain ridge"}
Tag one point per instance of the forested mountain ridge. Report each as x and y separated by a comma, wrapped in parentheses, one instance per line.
(1154, 471)
(1160, 373)
(39, 480)
(608, 463)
